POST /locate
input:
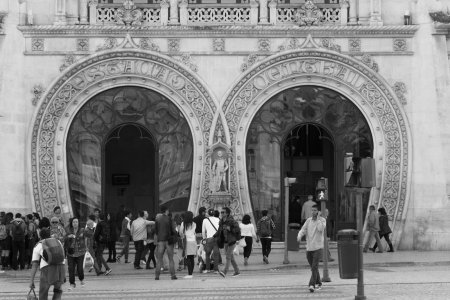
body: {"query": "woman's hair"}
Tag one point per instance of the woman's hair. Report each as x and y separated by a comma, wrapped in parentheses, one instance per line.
(44, 233)
(44, 223)
(382, 211)
(246, 219)
(71, 222)
(188, 219)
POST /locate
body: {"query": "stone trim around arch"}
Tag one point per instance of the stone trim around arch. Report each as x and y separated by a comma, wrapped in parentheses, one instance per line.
(366, 89)
(90, 76)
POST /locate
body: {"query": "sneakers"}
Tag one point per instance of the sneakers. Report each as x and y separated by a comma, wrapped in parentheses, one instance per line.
(205, 271)
(118, 259)
(245, 261)
(138, 267)
(156, 278)
(222, 274)
(82, 283)
(265, 260)
(107, 272)
(188, 277)
(71, 287)
(100, 273)
(311, 288)
(236, 274)
(318, 287)
(143, 262)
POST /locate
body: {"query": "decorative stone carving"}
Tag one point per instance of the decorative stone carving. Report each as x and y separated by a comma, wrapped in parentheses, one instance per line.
(128, 14)
(3, 15)
(173, 45)
(68, 94)
(400, 90)
(308, 15)
(187, 60)
(37, 91)
(219, 44)
(82, 44)
(67, 61)
(290, 44)
(264, 45)
(329, 44)
(369, 61)
(354, 45)
(400, 45)
(37, 44)
(147, 44)
(109, 43)
(248, 62)
(440, 16)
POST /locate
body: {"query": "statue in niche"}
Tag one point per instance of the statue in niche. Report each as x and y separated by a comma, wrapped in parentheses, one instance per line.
(219, 172)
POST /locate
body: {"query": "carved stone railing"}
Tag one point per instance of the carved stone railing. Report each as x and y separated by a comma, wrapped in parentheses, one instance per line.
(331, 13)
(106, 14)
(218, 14)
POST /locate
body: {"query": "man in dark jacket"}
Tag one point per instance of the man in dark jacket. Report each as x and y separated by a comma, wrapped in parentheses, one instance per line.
(101, 237)
(18, 234)
(231, 234)
(164, 228)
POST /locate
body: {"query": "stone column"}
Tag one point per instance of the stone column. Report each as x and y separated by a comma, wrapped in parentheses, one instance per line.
(174, 12)
(273, 12)
(60, 12)
(183, 12)
(72, 12)
(253, 12)
(363, 12)
(164, 17)
(93, 12)
(263, 18)
(344, 13)
(83, 11)
(353, 13)
(375, 13)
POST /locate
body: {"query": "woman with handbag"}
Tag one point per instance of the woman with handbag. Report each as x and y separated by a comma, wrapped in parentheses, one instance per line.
(248, 234)
(75, 249)
(187, 233)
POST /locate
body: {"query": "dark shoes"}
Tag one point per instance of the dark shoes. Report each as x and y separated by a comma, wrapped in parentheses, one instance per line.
(148, 268)
(174, 277)
(138, 267)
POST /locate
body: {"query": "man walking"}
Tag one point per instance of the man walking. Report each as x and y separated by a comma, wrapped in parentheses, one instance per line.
(125, 236)
(139, 234)
(209, 229)
(18, 234)
(101, 238)
(373, 225)
(313, 230)
(265, 227)
(231, 233)
(164, 228)
(198, 220)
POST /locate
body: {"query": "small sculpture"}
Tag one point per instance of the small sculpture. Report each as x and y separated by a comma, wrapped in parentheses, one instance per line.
(219, 173)
(308, 14)
(128, 14)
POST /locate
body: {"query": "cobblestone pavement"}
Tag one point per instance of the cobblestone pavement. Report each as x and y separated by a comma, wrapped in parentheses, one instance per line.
(381, 282)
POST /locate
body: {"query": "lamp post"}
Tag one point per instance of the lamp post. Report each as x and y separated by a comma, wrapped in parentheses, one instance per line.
(322, 196)
(287, 183)
(359, 228)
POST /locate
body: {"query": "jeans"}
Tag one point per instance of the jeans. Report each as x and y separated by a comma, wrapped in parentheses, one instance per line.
(313, 260)
(139, 246)
(211, 246)
(18, 246)
(372, 234)
(75, 262)
(230, 258)
(99, 256)
(161, 248)
(266, 244)
(126, 244)
(151, 256)
(386, 237)
(248, 247)
(51, 275)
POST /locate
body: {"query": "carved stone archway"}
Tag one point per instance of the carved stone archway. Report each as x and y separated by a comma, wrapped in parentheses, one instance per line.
(366, 89)
(90, 76)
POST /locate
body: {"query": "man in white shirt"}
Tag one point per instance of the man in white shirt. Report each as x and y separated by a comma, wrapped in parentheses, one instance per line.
(306, 208)
(209, 228)
(313, 230)
(139, 233)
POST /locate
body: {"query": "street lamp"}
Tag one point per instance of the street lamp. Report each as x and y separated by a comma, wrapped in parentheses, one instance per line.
(322, 196)
(287, 183)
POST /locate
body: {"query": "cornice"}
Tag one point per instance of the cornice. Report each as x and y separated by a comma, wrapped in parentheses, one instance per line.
(272, 31)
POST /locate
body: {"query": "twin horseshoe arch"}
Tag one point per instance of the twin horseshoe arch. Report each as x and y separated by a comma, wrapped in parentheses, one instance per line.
(105, 70)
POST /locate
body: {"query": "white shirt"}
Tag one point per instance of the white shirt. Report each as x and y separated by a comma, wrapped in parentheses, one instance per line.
(307, 208)
(189, 233)
(247, 230)
(208, 229)
(38, 254)
(313, 229)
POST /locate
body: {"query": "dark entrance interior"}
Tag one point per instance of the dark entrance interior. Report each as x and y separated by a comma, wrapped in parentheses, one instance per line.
(130, 170)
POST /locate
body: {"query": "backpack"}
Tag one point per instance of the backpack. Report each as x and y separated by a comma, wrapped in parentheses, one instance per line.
(52, 251)
(3, 233)
(105, 233)
(150, 232)
(18, 232)
(265, 228)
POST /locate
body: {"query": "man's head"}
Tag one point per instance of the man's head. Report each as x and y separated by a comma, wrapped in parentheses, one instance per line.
(90, 224)
(372, 208)
(18, 215)
(101, 216)
(310, 197)
(44, 233)
(57, 210)
(211, 212)
(97, 213)
(297, 199)
(225, 212)
(264, 213)
(202, 211)
(54, 221)
(314, 211)
(164, 210)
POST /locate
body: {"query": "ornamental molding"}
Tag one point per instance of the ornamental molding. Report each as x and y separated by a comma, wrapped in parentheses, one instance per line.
(400, 90)
(354, 45)
(3, 15)
(188, 61)
(264, 45)
(368, 60)
(248, 62)
(219, 45)
(90, 76)
(37, 91)
(331, 45)
(365, 88)
(400, 45)
(68, 60)
(37, 45)
(309, 43)
(128, 14)
(128, 42)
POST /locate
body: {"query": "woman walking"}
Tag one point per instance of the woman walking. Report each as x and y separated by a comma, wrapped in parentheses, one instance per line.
(248, 234)
(187, 233)
(112, 239)
(76, 249)
(89, 238)
(385, 230)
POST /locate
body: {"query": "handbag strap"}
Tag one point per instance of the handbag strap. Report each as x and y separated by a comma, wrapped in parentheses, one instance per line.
(32, 290)
(212, 224)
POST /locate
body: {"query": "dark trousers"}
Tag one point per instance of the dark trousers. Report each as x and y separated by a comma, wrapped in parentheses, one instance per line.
(386, 237)
(190, 263)
(161, 248)
(266, 244)
(212, 247)
(139, 246)
(75, 262)
(248, 247)
(126, 244)
(151, 256)
(18, 246)
(112, 250)
(313, 260)
(51, 275)
(99, 256)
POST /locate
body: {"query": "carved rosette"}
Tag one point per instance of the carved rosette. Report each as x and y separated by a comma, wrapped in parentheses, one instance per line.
(108, 44)
(308, 15)
(128, 14)
(66, 97)
(400, 90)
(147, 44)
(248, 62)
(68, 60)
(370, 62)
(37, 91)
(375, 98)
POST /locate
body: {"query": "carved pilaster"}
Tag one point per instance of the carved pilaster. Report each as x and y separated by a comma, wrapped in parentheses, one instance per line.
(183, 12)
(375, 13)
(164, 17)
(93, 12)
(84, 12)
(344, 12)
(60, 13)
(253, 12)
(174, 12)
(273, 12)
(353, 13)
(263, 17)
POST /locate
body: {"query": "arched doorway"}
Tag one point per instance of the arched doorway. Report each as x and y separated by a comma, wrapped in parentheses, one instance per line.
(305, 131)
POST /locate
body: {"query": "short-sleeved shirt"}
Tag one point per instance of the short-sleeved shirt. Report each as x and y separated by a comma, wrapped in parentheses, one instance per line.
(38, 253)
